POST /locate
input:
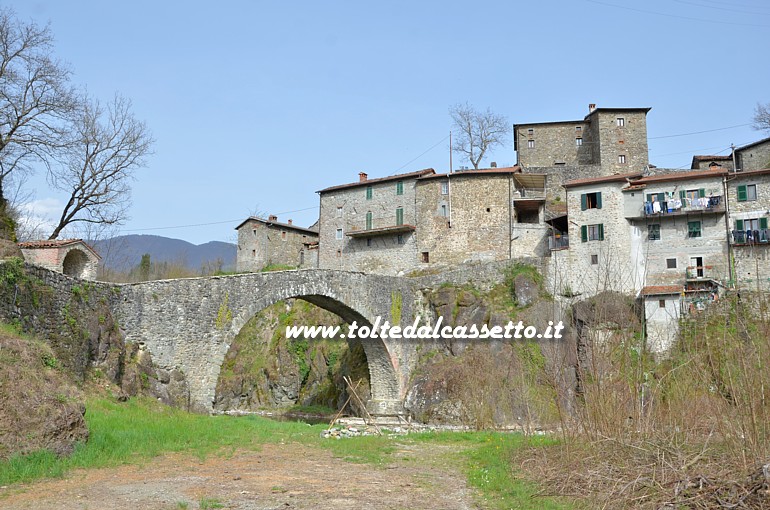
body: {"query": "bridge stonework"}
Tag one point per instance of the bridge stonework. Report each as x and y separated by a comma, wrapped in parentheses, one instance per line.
(189, 324)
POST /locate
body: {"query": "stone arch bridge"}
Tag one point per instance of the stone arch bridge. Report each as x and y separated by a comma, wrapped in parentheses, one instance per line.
(190, 323)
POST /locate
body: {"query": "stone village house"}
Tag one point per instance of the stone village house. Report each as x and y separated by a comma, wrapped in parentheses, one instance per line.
(262, 243)
(72, 257)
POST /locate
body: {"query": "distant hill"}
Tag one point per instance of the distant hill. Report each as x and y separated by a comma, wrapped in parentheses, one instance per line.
(122, 253)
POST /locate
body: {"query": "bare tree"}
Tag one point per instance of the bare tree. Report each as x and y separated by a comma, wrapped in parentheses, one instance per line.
(36, 98)
(108, 145)
(477, 132)
(762, 117)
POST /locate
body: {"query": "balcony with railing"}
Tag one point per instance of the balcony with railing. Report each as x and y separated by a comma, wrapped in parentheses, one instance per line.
(529, 194)
(680, 207)
(750, 237)
(558, 242)
(701, 273)
(377, 227)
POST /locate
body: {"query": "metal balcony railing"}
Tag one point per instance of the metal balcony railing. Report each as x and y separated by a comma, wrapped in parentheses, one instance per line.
(558, 242)
(529, 194)
(674, 207)
(750, 237)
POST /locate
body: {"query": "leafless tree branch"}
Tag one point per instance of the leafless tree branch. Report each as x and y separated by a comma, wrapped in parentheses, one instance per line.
(477, 132)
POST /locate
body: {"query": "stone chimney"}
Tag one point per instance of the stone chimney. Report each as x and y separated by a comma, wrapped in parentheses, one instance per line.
(272, 217)
(591, 107)
(362, 177)
(493, 164)
(289, 222)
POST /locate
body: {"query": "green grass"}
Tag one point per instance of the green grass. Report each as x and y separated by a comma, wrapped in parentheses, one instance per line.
(140, 429)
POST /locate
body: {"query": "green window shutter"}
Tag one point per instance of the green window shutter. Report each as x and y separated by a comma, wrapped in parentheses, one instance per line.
(742, 195)
(682, 194)
(399, 216)
(400, 188)
(661, 197)
(369, 220)
(702, 193)
(583, 202)
(368, 192)
(738, 224)
(599, 200)
(584, 233)
(601, 232)
(762, 222)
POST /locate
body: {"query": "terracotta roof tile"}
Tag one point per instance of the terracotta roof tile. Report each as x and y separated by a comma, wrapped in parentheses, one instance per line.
(603, 178)
(481, 171)
(55, 243)
(396, 177)
(661, 290)
(278, 224)
(678, 176)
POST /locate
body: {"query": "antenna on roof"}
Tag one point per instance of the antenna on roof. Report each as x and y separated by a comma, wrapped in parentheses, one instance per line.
(450, 152)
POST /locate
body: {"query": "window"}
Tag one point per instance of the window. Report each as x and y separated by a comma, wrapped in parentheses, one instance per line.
(400, 188)
(661, 303)
(592, 233)
(747, 192)
(530, 131)
(368, 241)
(254, 253)
(622, 159)
(400, 239)
(594, 259)
(369, 220)
(620, 121)
(283, 235)
(653, 232)
(488, 209)
(400, 216)
(255, 232)
(339, 234)
(693, 229)
(530, 144)
(578, 130)
(445, 188)
(670, 263)
(339, 211)
(691, 195)
(591, 201)
(368, 192)
(425, 257)
(443, 210)
(339, 253)
(578, 142)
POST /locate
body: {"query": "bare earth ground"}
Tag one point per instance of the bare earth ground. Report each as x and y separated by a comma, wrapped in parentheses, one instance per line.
(279, 476)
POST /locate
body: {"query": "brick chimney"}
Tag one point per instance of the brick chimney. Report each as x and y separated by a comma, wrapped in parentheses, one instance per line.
(289, 222)
(591, 107)
(272, 217)
(362, 177)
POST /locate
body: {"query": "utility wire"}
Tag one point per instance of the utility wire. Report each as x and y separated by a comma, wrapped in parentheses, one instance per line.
(698, 132)
(205, 224)
(645, 11)
(424, 153)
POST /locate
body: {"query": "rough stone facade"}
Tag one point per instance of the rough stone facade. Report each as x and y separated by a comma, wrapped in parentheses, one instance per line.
(361, 228)
(754, 156)
(262, 243)
(72, 257)
(605, 142)
(750, 208)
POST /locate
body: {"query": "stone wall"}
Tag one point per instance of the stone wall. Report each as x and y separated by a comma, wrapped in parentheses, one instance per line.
(755, 157)
(71, 259)
(263, 243)
(554, 143)
(661, 321)
(347, 208)
(629, 140)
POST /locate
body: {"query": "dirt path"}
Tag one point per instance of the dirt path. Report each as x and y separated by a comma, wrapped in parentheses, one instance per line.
(279, 476)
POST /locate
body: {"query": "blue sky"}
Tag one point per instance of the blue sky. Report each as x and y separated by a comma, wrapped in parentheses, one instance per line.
(256, 105)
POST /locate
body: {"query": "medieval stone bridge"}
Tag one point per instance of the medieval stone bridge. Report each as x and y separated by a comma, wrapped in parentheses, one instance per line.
(189, 324)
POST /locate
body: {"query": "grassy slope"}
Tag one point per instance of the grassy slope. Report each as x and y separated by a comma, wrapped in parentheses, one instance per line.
(141, 428)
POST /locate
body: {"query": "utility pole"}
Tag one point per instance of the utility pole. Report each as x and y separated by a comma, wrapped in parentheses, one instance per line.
(450, 152)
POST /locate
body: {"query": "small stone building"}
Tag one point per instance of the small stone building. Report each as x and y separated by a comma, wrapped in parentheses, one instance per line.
(72, 257)
(262, 243)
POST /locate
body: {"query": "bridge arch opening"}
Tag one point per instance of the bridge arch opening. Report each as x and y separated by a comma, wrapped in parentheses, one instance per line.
(75, 263)
(379, 363)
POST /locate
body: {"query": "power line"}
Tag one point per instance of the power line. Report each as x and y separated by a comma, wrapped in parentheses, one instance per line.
(698, 132)
(424, 153)
(645, 11)
(722, 8)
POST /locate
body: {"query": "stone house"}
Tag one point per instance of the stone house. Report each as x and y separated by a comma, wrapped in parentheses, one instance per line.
(749, 208)
(753, 156)
(370, 225)
(481, 215)
(72, 257)
(262, 243)
(607, 141)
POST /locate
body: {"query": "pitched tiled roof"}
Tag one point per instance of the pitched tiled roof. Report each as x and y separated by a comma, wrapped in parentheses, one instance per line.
(661, 290)
(481, 171)
(367, 182)
(278, 224)
(678, 176)
(603, 178)
(752, 144)
(54, 243)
